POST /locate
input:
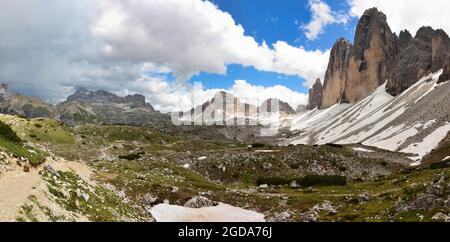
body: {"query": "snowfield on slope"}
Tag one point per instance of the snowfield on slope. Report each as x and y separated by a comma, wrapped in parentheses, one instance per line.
(221, 213)
(413, 122)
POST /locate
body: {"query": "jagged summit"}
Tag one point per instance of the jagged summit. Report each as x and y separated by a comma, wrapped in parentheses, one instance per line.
(376, 55)
(404, 39)
(315, 95)
(101, 96)
(85, 106)
(283, 107)
(425, 53)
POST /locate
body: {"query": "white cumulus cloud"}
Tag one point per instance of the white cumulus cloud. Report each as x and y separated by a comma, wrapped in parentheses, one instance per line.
(322, 16)
(49, 48)
(408, 14)
(191, 36)
(172, 96)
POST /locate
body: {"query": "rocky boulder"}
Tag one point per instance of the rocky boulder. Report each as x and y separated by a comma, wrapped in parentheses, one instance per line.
(426, 202)
(199, 202)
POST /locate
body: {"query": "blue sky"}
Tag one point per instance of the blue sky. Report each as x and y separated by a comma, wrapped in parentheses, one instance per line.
(271, 21)
(50, 48)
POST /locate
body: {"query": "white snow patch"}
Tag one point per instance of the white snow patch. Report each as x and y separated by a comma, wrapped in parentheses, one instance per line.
(429, 143)
(202, 158)
(267, 151)
(415, 163)
(362, 150)
(397, 135)
(446, 158)
(373, 122)
(221, 213)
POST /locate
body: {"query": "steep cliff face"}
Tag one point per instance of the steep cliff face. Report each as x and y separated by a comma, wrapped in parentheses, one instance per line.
(315, 96)
(104, 97)
(378, 55)
(283, 107)
(102, 107)
(334, 83)
(440, 44)
(446, 74)
(404, 39)
(374, 51)
(426, 53)
(355, 71)
(412, 63)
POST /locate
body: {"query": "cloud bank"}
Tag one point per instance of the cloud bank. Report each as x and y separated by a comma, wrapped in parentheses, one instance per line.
(408, 14)
(321, 16)
(49, 48)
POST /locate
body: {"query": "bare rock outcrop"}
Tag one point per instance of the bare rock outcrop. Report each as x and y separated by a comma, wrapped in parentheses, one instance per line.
(374, 51)
(315, 96)
(283, 107)
(102, 107)
(446, 74)
(336, 74)
(355, 71)
(426, 53)
(404, 39)
(378, 55)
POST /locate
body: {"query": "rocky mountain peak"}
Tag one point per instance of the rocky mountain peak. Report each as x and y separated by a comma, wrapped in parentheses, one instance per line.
(426, 52)
(101, 96)
(378, 55)
(372, 24)
(425, 33)
(301, 108)
(355, 71)
(446, 74)
(4, 88)
(104, 97)
(404, 39)
(315, 95)
(136, 99)
(283, 107)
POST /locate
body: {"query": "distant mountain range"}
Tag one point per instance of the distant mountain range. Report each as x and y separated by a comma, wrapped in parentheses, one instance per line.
(384, 90)
(102, 107)
(83, 107)
(225, 106)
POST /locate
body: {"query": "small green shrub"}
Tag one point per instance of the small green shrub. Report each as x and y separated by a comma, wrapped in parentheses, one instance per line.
(440, 165)
(38, 125)
(258, 145)
(314, 180)
(334, 145)
(131, 156)
(8, 133)
(307, 181)
(273, 181)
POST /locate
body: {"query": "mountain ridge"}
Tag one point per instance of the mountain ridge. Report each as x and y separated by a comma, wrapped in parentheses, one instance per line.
(355, 70)
(413, 122)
